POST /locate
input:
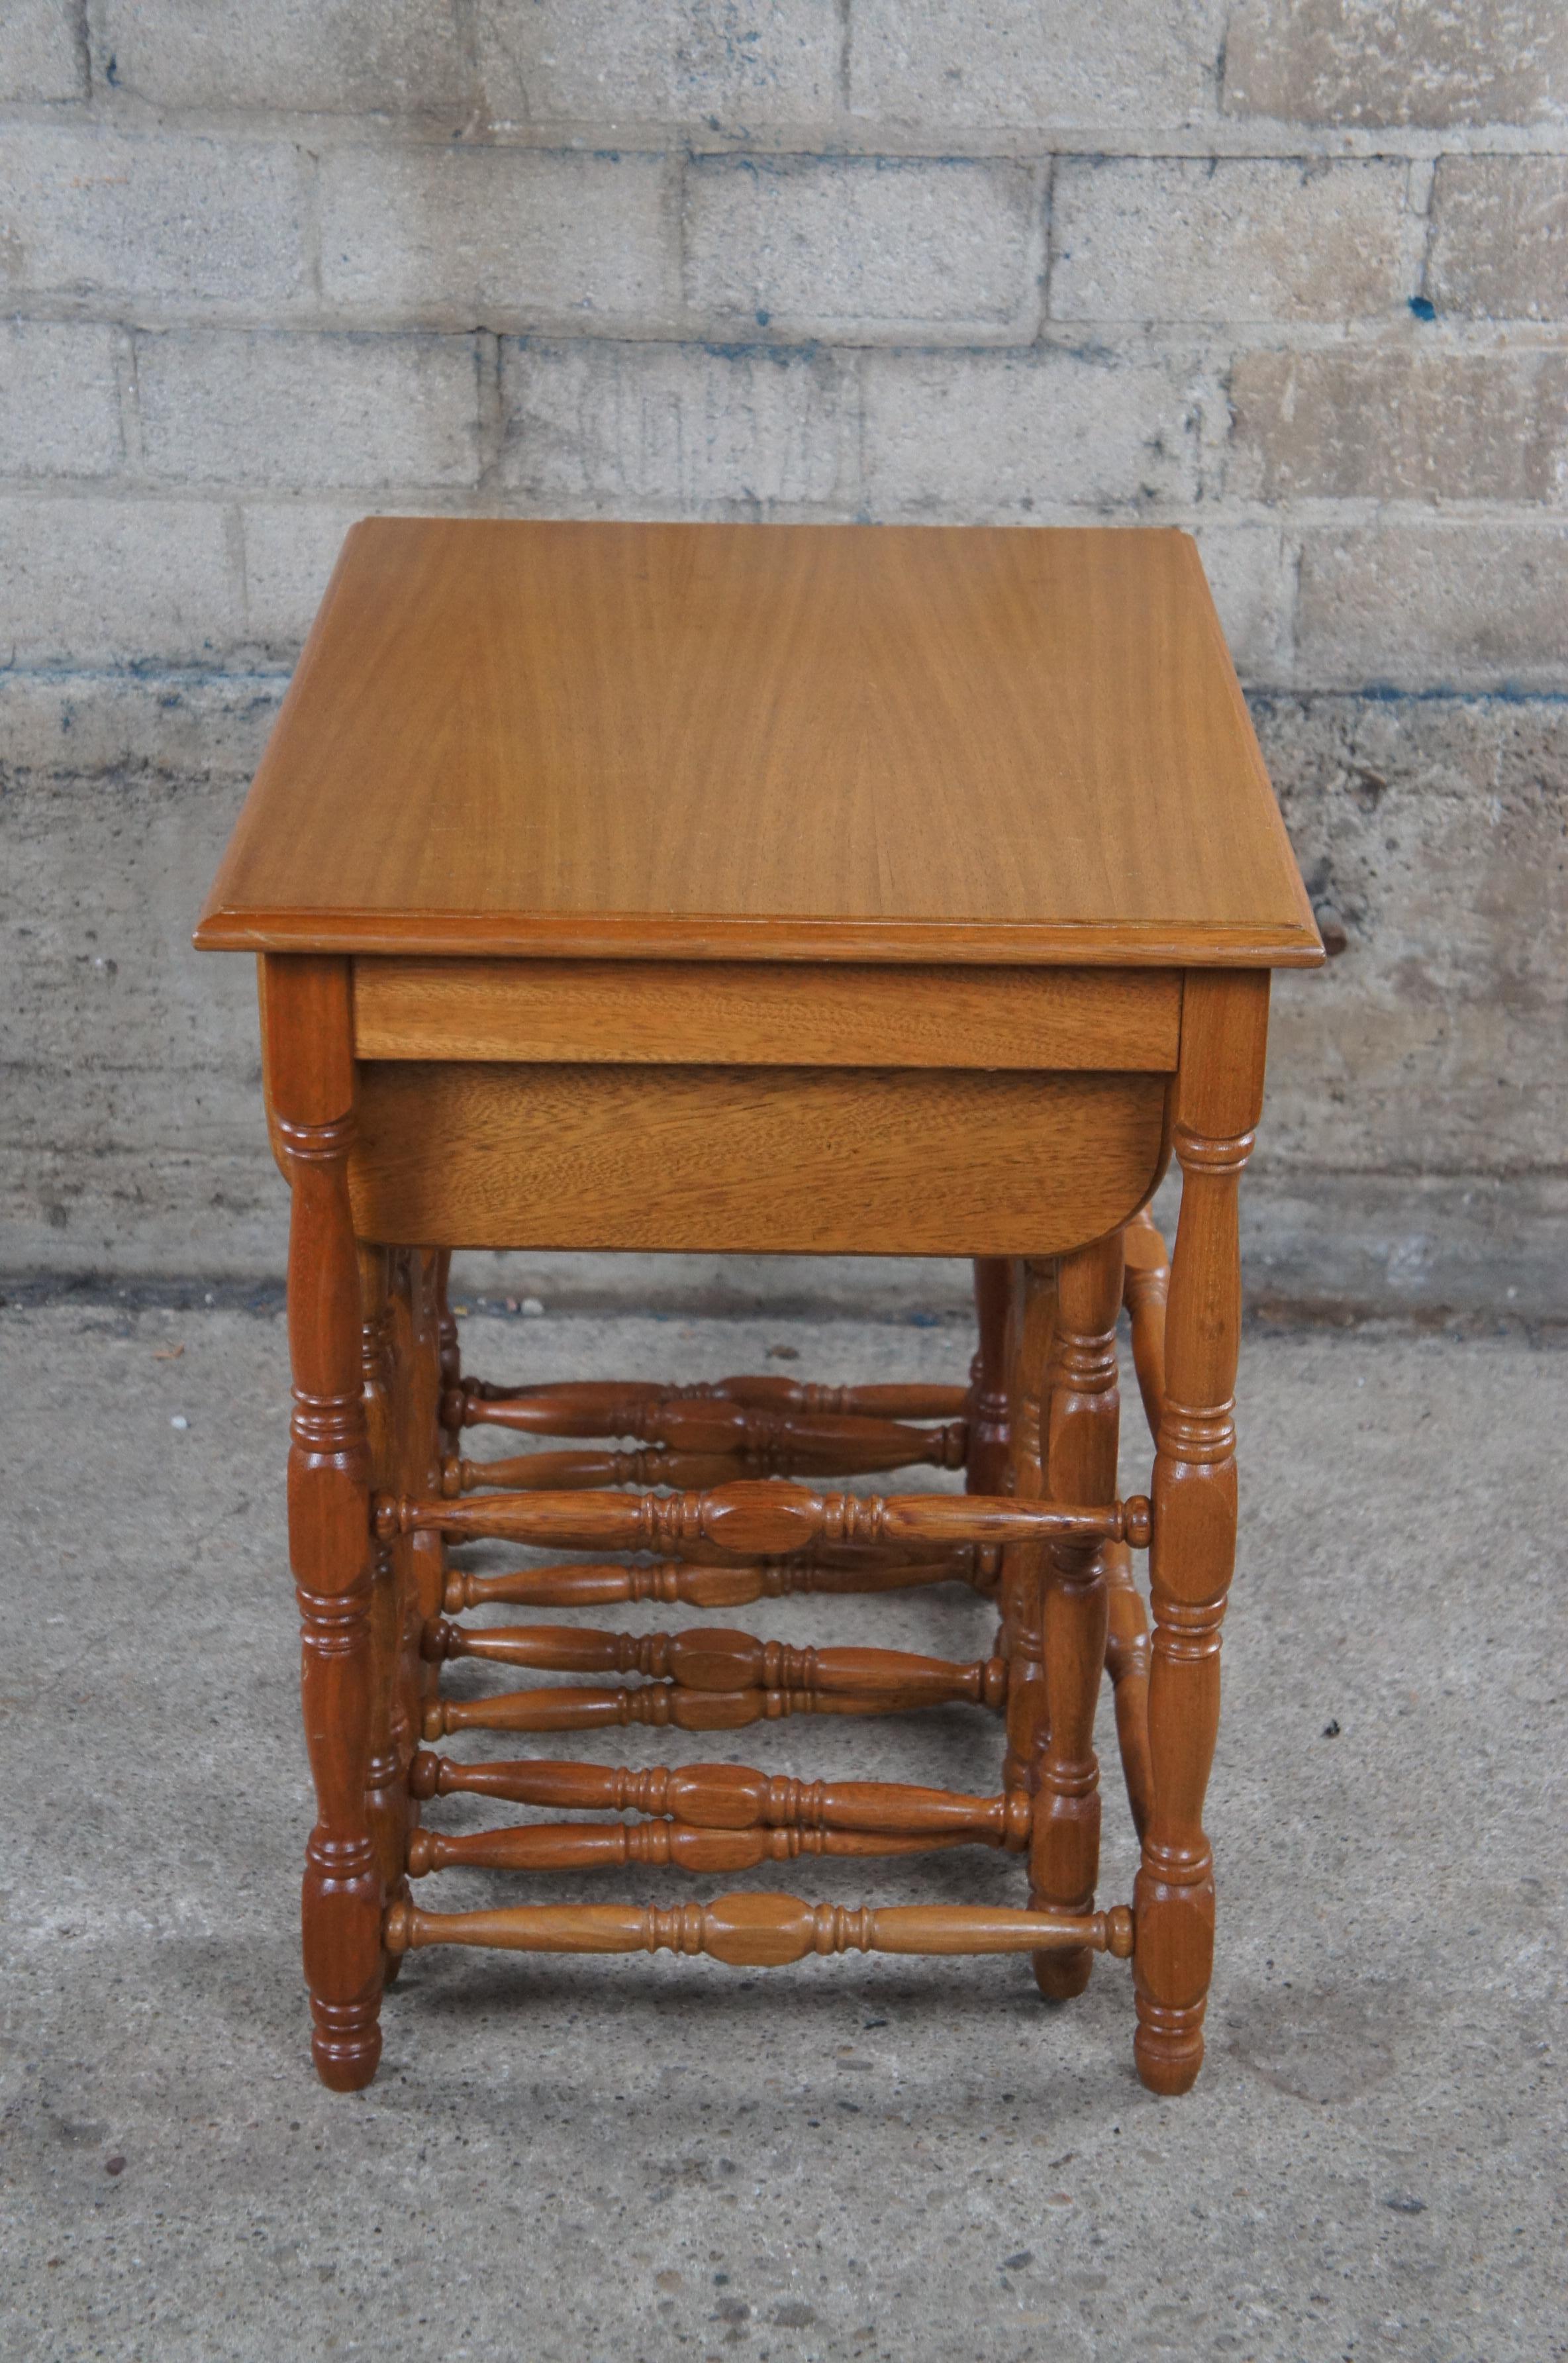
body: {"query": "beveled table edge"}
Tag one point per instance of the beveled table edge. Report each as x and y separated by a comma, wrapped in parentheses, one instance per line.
(638, 935)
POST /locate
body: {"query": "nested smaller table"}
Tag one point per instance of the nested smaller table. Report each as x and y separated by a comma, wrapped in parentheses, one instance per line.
(895, 890)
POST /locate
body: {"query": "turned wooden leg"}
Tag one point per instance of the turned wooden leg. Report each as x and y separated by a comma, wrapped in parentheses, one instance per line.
(1020, 1639)
(1146, 1287)
(415, 1453)
(436, 1271)
(386, 1789)
(310, 1075)
(986, 1462)
(433, 1346)
(1127, 1663)
(1063, 1857)
(1219, 1097)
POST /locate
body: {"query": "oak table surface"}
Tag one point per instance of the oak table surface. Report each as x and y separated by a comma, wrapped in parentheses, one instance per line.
(820, 742)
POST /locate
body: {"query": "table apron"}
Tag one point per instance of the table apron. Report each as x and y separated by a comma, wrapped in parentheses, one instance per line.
(748, 1160)
(767, 1013)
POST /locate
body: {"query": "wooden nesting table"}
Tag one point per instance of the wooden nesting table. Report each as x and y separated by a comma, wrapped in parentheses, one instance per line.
(895, 890)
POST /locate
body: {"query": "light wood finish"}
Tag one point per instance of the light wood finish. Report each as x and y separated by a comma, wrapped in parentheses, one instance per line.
(1127, 1661)
(1221, 1095)
(590, 1586)
(558, 1471)
(648, 1845)
(428, 1356)
(660, 1706)
(764, 1013)
(415, 1563)
(1019, 1636)
(758, 1932)
(759, 1516)
(310, 1087)
(619, 1407)
(734, 1797)
(751, 1160)
(450, 1354)
(706, 1817)
(1080, 1454)
(719, 1658)
(398, 1705)
(857, 890)
(986, 1455)
(799, 741)
(726, 1428)
(386, 1789)
(701, 1444)
(1146, 1286)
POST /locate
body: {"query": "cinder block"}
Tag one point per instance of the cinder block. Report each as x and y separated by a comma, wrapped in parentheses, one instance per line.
(163, 217)
(510, 233)
(984, 64)
(40, 56)
(320, 56)
(1254, 581)
(291, 548)
(96, 581)
(1500, 236)
(847, 246)
(63, 727)
(682, 426)
(663, 61)
(1435, 827)
(1424, 61)
(1239, 239)
(127, 1134)
(59, 409)
(1401, 424)
(999, 437)
(1460, 604)
(222, 406)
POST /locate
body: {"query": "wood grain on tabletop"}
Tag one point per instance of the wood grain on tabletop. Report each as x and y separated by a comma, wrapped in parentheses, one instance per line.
(776, 742)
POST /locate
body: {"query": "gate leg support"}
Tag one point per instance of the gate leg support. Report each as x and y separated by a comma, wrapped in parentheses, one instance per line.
(310, 1069)
(987, 1378)
(1064, 1859)
(1219, 1097)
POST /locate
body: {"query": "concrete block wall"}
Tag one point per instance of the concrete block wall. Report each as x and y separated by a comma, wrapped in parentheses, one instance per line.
(1290, 273)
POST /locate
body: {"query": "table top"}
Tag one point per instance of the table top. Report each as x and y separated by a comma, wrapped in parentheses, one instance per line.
(764, 742)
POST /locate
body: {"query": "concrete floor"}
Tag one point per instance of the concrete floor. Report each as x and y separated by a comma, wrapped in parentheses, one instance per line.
(641, 2160)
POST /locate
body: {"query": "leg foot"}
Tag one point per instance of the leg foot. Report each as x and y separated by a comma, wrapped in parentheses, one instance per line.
(345, 2043)
(1060, 1976)
(1168, 2049)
